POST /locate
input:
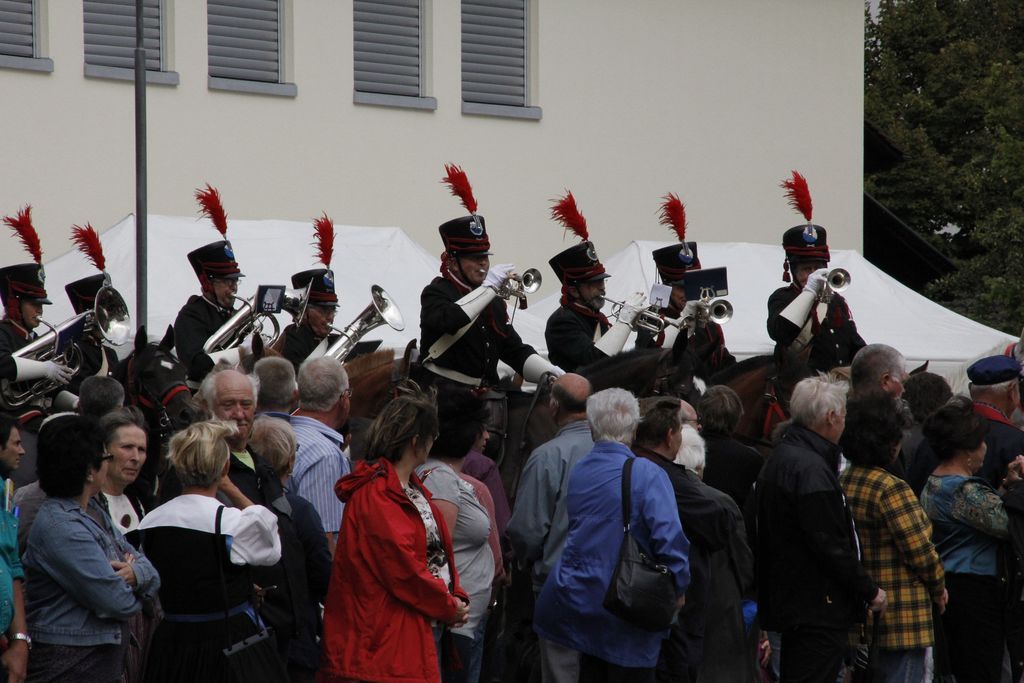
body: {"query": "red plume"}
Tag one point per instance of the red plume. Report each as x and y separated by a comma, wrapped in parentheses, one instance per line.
(324, 234)
(22, 224)
(458, 183)
(673, 215)
(210, 206)
(565, 212)
(88, 242)
(799, 195)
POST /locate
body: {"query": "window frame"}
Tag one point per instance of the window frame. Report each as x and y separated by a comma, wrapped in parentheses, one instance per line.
(283, 87)
(526, 111)
(422, 101)
(36, 62)
(163, 76)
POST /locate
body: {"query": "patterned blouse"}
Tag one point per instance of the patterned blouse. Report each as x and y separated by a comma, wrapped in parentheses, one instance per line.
(437, 559)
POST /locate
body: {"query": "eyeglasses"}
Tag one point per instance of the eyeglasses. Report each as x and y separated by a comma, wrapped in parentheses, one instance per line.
(107, 456)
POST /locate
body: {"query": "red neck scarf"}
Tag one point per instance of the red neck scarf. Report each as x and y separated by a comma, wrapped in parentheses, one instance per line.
(582, 309)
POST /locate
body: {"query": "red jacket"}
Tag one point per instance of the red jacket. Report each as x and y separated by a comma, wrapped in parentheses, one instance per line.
(382, 596)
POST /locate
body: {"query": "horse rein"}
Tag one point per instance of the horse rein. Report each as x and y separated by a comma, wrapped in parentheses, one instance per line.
(156, 404)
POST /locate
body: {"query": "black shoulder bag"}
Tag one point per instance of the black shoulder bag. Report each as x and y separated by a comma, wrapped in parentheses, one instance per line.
(253, 659)
(641, 591)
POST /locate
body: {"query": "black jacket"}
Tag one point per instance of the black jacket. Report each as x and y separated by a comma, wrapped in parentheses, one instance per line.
(299, 342)
(837, 340)
(196, 321)
(11, 339)
(707, 523)
(570, 339)
(807, 564)
(92, 360)
(730, 466)
(491, 337)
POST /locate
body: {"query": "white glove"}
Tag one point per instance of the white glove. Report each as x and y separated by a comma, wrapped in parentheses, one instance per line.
(631, 308)
(28, 368)
(498, 274)
(816, 281)
(536, 367)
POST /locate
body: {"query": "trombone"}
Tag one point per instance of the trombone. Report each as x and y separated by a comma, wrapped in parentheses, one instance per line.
(647, 319)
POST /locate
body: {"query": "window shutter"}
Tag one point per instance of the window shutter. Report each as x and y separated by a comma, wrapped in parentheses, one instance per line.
(494, 52)
(16, 35)
(387, 46)
(244, 40)
(110, 33)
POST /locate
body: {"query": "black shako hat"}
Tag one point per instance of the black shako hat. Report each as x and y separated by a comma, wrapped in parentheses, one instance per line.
(321, 286)
(673, 262)
(82, 293)
(578, 264)
(465, 236)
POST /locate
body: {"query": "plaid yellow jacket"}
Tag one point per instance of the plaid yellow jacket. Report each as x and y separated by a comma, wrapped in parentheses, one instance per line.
(897, 551)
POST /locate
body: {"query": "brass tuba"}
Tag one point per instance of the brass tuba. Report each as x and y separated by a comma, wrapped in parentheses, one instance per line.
(381, 310)
(109, 318)
(252, 316)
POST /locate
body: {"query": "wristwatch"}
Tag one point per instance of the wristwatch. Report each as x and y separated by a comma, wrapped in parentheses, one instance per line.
(21, 636)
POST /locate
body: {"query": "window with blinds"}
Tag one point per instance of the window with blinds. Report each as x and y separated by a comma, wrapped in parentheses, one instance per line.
(494, 52)
(17, 35)
(387, 44)
(110, 33)
(245, 40)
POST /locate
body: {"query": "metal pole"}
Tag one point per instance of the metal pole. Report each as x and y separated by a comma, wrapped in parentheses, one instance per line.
(141, 211)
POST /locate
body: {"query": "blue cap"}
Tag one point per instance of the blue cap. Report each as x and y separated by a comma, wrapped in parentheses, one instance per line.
(993, 370)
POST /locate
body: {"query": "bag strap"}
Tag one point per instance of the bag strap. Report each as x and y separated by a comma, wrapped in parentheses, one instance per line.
(220, 571)
(627, 471)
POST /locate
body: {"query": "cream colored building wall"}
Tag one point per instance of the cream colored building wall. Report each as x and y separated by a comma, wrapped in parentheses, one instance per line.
(715, 100)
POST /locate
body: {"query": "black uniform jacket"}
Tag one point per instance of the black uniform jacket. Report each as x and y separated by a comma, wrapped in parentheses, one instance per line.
(299, 342)
(11, 339)
(808, 569)
(837, 340)
(491, 337)
(708, 345)
(92, 360)
(570, 339)
(196, 321)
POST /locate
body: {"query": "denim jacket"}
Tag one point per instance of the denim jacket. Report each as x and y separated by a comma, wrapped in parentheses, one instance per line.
(74, 597)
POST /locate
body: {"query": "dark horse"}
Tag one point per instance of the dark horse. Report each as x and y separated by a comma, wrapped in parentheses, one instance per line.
(154, 381)
(764, 386)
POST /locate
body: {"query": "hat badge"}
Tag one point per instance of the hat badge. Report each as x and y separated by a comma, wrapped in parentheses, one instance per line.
(228, 251)
(475, 227)
(42, 274)
(591, 253)
(810, 235)
(685, 255)
(329, 280)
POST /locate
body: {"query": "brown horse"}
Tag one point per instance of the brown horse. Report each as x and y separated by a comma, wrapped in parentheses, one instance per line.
(764, 387)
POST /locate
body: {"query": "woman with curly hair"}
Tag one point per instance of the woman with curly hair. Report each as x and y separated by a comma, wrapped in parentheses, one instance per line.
(894, 535)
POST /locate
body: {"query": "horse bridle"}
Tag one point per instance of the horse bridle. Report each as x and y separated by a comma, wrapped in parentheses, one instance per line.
(157, 404)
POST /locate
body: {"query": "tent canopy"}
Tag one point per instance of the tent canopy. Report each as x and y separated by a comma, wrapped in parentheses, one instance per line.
(269, 251)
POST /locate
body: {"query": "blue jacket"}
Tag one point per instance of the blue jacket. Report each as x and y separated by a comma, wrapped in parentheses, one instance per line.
(569, 609)
(74, 597)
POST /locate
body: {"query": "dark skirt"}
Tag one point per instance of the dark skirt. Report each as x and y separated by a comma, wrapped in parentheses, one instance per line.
(188, 651)
(71, 664)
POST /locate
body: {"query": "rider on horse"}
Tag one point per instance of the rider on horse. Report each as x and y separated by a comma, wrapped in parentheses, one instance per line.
(577, 333)
(703, 337)
(464, 327)
(97, 357)
(201, 316)
(309, 336)
(800, 315)
(23, 294)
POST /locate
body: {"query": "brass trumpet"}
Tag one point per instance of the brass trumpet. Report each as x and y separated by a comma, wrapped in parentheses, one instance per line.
(838, 280)
(647, 319)
(519, 286)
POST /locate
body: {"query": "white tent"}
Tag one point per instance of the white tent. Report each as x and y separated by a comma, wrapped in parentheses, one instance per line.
(268, 251)
(885, 310)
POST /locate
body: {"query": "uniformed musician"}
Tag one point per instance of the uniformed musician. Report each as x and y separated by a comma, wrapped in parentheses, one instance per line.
(97, 357)
(578, 333)
(464, 326)
(799, 319)
(703, 337)
(310, 335)
(23, 293)
(202, 315)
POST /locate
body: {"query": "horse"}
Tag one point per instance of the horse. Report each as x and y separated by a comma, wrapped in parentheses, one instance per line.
(764, 387)
(155, 382)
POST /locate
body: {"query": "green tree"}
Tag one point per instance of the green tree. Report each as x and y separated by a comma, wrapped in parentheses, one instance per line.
(944, 79)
